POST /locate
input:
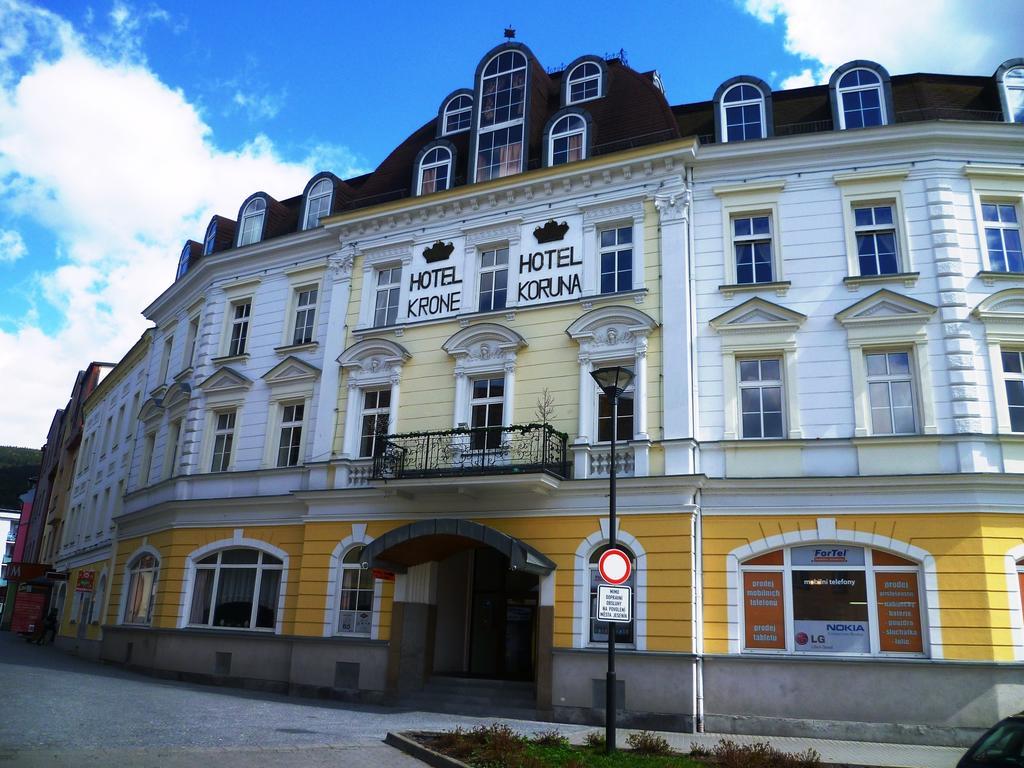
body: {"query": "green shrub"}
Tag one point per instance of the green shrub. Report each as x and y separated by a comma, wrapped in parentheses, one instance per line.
(729, 754)
(647, 743)
(550, 738)
(595, 739)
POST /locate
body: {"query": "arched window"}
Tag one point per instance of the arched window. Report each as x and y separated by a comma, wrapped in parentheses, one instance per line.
(742, 113)
(598, 630)
(435, 171)
(832, 599)
(502, 108)
(210, 240)
(252, 221)
(1013, 93)
(355, 605)
(141, 592)
(236, 588)
(567, 140)
(458, 114)
(584, 83)
(318, 203)
(98, 600)
(183, 260)
(861, 102)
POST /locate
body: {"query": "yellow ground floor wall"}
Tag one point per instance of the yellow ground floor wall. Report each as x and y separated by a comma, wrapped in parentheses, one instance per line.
(665, 541)
(91, 603)
(969, 552)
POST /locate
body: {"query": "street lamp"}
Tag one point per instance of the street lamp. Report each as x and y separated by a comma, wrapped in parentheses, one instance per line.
(613, 382)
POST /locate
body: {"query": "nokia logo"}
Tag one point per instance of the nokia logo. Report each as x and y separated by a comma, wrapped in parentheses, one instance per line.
(844, 627)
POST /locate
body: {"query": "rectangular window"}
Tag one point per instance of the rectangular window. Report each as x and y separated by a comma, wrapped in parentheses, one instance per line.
(624, 422)
(120, 425)
(376, 417)
(499, 153)
(190, 342)
(147, 459)
(223, 437)
(165, 359)
(487, 409)
(752, 243)
(1002, 237)
(761, 397)
(305, 316)
(171, 451)
(1013, 377)
(239, 327)
(290, 446)
(493, 279)
(824, 600)
(875, 231)
(616, 259)
(389, 285)
(891, 393)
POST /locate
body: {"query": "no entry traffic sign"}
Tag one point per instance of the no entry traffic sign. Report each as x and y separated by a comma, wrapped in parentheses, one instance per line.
(614, 566)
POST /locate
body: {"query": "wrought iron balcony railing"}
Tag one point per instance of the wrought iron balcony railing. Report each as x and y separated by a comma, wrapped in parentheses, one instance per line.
(516, 449)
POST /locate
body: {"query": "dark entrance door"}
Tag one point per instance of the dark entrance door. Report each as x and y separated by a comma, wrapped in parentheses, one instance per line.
(503, 620)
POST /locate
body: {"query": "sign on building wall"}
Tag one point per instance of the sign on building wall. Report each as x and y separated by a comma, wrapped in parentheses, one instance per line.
(86, 581)
(614, 604)
(28, 609)
(899, 612)
(764, 610)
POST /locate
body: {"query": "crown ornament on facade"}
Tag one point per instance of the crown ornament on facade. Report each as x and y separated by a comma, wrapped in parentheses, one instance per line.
(439, 251)
(551, 232)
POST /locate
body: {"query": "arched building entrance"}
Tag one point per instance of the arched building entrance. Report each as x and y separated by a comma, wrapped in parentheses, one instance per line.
(470, 601)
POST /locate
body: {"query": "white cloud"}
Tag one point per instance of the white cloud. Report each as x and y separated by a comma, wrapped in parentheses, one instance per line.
(122, 169)
(950, 36)
(258, 106)
(12, 246)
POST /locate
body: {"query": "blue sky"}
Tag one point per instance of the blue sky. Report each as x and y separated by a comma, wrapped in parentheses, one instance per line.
(124, 126)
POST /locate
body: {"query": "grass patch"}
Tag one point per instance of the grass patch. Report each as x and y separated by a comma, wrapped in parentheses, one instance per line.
(498, 746)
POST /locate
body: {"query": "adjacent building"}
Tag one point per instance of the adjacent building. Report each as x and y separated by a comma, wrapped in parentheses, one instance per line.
(370, 460)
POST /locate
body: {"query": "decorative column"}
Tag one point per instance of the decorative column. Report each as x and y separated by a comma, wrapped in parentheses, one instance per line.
(339, 277)
(510, 393)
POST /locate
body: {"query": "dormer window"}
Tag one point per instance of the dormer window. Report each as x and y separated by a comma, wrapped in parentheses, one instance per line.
(183, 260)
(435, 171)
(502, 109)
(584, 82)
(318, 203)
(860, 95)
(210, 241)
(1010, 79)
(252, 221)
(743, 113)
(458, 114)
(567, 140)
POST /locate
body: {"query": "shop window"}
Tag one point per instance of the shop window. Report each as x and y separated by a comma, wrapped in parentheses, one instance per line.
(832, 599)
(598, 630)
(237, 589)
(141, 593)
(355, 608)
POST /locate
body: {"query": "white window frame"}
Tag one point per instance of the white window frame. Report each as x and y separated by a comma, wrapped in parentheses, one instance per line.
(597, 218)
(759, 198)
(492, 269)
(752, 240)
(233, 321)
(888, 379)
(616, 248)
(512, 123)
(487, 350)
(1012, 377)
(1002, 227)
(252, 220)
(172, 446)
(322, 190)
(593, 580)
(165, 359)
(426, 165)
(306, 309)
(210, 238)
(133, 567)
(760, 384)
(227, 432)
(370, 364)
(841, 91)
(376, 413)
(873, 230)
(995, 184)
(1003, 318)
(191, 341)
(862, 189)
(869, 569)
(450, 111)
(291, 425)
(1013, 82)
(486, 401)
(584, 79)
(555, 134)
(581, 587)
(237, 542)
(725, 106)
(363, 573)
(628, 394)
(392, 289)
(358, 538)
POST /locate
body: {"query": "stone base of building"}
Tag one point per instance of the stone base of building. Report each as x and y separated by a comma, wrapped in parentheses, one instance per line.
(909, 701)
(87, 649)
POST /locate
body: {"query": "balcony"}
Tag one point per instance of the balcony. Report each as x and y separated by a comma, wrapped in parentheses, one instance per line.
(516, 449)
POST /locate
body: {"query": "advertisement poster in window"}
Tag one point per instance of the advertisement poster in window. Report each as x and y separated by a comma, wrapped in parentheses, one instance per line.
(899, 613)
(764, 611)
(86, 581)
(830, 611)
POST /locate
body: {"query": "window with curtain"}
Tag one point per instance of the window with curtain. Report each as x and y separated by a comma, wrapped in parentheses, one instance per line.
(142, 581)
(236, 589)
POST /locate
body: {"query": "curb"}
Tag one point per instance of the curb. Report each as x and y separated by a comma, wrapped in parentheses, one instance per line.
(415, 749)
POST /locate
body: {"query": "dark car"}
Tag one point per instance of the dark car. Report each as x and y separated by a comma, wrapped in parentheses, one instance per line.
(1001, 746)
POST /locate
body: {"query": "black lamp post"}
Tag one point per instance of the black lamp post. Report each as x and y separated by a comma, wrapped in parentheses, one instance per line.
(613, 382)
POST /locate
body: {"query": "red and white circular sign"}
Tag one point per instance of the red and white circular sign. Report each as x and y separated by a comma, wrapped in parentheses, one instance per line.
(614, 566)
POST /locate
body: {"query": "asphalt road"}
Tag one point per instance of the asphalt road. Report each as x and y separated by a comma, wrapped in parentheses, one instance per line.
(58, 710)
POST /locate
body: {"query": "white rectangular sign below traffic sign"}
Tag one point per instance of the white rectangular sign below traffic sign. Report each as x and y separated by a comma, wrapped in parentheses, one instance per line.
(614, 604)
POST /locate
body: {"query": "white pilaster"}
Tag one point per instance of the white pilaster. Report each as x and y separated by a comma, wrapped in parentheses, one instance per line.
(339, 273)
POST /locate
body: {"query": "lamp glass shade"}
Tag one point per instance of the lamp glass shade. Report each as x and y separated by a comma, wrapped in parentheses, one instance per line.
(613, 381)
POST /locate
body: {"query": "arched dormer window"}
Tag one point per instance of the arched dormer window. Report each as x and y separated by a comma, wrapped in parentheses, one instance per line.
(210, 240)
(584, 83)
(861, 95)
(434, 172)
(318, 203)
(1010, 79)
(183, 260)
(252, 218)
(567, 139)
(500, 129)
(457, 114)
